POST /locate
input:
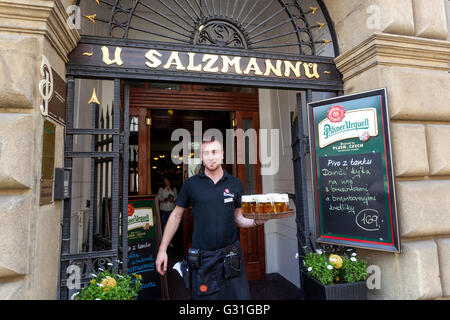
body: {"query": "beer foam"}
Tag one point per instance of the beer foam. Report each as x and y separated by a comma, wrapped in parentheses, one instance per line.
(248, 198)
(263, 198)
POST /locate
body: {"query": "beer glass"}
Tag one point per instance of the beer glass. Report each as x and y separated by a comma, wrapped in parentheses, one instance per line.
(248, 204)
(280, 202)
(263, 204)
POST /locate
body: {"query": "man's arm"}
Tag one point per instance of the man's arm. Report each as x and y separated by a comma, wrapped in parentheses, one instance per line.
(243, 222)
(171, 227)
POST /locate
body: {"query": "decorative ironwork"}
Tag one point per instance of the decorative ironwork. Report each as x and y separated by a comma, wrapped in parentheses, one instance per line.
(106, 243)
(221, 34)
(288, 26)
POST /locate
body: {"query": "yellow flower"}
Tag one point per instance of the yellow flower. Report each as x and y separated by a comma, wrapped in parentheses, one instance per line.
(108, 283)
(93, 281)
(335, 260)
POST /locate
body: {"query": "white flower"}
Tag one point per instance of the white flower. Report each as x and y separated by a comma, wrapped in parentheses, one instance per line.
(353, 259)
(74, 295)
(310, 268)
(93, 275)
(296, 255)
(97, 299)
(109, 264)
(101, 269)
(329, 267)
(107, 277)
(319, 251)
(354, 254)
(99, 284)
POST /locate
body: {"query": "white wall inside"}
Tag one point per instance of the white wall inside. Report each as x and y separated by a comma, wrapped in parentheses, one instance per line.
(281, 235)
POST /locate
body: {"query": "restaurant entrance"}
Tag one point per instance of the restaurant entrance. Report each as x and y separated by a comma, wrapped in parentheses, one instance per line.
(157, 109)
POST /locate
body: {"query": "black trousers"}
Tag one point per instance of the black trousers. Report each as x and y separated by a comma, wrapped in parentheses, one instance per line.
(209, 283)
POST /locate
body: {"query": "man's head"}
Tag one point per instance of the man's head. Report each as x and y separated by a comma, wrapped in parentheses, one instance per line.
(211, 154)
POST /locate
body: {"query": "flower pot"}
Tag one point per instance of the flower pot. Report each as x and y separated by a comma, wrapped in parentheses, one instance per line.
(315, 290)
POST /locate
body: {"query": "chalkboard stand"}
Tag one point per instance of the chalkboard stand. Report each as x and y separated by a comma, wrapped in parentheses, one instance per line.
(353, 177)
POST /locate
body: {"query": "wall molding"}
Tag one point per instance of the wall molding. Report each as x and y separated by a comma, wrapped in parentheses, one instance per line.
(382, 49)
(46, 18)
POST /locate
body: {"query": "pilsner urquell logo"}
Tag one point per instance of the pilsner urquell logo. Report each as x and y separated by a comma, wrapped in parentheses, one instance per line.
(336, 114)
(340, 125)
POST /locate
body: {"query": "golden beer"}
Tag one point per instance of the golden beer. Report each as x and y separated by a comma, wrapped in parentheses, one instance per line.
(248, 204)
(280, 202)
(263, 204)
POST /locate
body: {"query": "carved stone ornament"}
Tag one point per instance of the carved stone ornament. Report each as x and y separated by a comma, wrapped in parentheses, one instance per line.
(45, 85)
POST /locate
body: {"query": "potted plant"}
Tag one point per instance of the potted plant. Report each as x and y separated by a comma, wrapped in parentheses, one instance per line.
(107, 285)
(334, 274)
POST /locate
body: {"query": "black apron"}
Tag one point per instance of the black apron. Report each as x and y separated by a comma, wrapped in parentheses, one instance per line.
(208, 282)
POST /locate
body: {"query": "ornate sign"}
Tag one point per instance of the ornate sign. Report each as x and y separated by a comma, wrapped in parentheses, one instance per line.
(187, 63)
(45, 85)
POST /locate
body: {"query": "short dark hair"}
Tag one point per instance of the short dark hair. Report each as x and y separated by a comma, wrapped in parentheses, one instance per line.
(212, 139)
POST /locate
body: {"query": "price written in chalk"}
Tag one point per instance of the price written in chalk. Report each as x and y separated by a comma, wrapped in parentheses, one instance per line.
(351, 198)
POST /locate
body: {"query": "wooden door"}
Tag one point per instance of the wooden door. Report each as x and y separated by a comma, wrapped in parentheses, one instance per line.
(252, 239)
(140, 161)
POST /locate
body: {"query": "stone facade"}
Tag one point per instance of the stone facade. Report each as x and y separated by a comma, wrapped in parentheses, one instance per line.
(408, 53)
(402, 45)
(29, 233)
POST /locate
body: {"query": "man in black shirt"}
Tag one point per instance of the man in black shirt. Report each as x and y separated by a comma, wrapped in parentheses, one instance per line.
(215, 197)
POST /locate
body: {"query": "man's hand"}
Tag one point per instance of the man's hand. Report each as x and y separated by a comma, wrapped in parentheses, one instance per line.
(243, 222)
(161, 262)
(169, 231)
(259, 222)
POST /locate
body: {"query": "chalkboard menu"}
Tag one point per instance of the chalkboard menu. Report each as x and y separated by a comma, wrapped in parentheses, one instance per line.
(351, 165)
(144, 236)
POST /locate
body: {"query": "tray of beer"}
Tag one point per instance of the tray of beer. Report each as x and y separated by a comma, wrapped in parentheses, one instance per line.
(268, 216)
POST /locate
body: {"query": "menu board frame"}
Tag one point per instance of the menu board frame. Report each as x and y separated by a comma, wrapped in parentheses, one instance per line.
(333, 145)
(144, 237)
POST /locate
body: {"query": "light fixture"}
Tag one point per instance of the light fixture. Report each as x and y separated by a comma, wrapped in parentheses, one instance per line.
(155, 158)
(148, 121)
(170, 112)
(154, 167)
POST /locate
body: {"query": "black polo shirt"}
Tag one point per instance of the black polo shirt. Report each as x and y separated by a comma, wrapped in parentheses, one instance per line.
(213, 209)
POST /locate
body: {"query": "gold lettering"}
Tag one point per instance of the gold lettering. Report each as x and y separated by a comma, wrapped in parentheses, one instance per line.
(117, 58)
(290, 67)
(174, 59)
(152, 56)
(276, 70)
(253, 66)
(236, 62)
(211, 58)
(308, 73)
(191, 66)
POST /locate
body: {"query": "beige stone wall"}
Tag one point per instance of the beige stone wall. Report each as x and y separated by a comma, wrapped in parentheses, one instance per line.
(408, 53)
(29, 233)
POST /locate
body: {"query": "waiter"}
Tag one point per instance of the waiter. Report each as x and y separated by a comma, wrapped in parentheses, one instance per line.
(217, 263)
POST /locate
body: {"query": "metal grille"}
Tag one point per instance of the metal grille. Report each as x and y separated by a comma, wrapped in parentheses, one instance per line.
(296, 27)
(107, 244)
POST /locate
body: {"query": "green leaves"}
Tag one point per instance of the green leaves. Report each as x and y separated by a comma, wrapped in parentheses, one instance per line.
(111, 286)
(318, 265)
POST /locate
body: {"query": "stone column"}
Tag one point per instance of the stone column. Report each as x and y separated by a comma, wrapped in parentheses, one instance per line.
(29, 233)
(406, 50)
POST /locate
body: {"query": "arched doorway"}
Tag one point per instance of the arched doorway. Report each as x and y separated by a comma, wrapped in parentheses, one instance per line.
(264, 44)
